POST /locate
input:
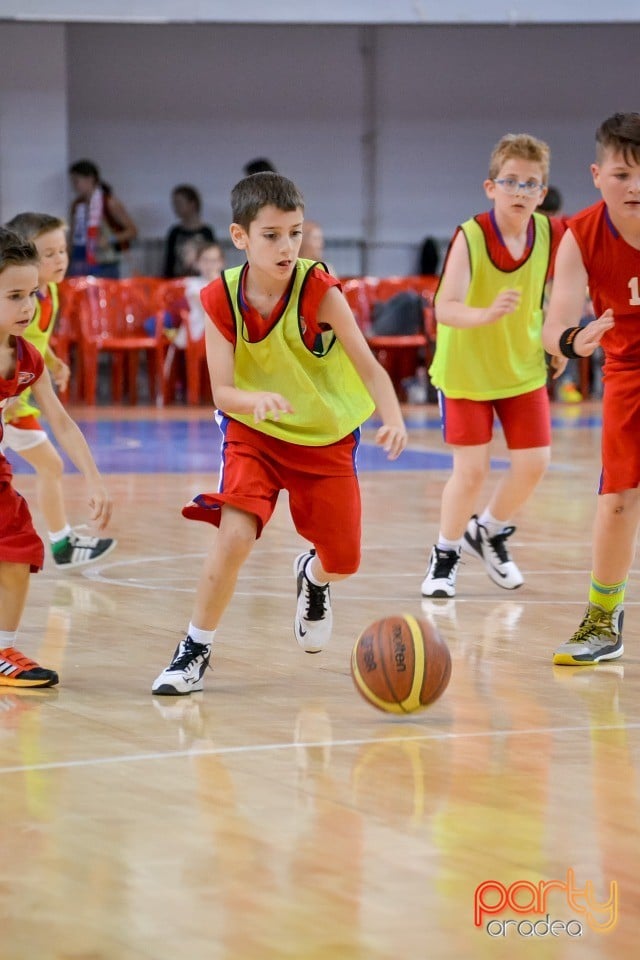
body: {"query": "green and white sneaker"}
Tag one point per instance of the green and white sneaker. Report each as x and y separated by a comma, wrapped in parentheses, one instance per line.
(599, 637)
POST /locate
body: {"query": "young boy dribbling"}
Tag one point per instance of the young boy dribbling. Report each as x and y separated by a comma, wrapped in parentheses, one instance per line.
(293, 379)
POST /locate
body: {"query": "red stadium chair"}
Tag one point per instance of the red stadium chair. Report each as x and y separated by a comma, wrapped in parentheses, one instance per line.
(114, 317)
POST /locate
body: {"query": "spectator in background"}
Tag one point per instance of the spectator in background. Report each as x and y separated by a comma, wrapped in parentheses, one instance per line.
(209, 265)
(259, 165)
(100, 226)
(185, 237)
(429, 257)
(552, 204)
(312, 246)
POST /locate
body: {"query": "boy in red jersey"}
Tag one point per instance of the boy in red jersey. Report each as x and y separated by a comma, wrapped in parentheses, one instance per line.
(601, 250)
(22, 367)
(293, 380)
(23, 431)
(489, 362)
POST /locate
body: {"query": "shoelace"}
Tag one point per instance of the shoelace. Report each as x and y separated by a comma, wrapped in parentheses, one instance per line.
(445, 562)
(596, 623)
(89, 542)
(316, 600)
(190, 652)
(498, 544)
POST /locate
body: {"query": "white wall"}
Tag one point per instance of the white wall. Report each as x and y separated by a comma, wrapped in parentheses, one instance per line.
(155, 105)
(330, 11)
(33, 119)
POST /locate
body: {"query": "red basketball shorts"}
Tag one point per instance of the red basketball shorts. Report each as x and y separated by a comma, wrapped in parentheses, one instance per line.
(620, 430)
(322, 483)
(19, 542)
(525, 419)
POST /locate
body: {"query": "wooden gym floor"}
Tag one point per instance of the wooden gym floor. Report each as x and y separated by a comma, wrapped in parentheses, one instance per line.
(276, 815)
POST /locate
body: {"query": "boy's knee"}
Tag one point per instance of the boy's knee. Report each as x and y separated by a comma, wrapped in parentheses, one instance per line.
(341, 563)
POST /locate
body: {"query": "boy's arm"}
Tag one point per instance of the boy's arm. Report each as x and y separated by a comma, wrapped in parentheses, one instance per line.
(58, 368)
(226, 396)
(451, 308)
(335, 311)
(70, 438)
(566, 304)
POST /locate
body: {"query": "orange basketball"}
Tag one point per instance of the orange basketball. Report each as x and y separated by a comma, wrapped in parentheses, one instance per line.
(400, 664)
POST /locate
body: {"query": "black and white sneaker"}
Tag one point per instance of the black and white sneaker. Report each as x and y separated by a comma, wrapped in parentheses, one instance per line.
(185, 673)
(314, 620)
(440, 580)
(493, 553)
(77, 551)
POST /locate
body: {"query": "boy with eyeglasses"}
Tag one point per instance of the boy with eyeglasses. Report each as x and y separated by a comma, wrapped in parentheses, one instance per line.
(489, 362)
(601, 249)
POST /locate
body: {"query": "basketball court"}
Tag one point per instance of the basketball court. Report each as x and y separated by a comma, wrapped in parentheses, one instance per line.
(277, 815)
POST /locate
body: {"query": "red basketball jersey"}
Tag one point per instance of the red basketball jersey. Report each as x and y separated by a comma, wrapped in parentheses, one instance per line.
(29, 366)
(613, 268)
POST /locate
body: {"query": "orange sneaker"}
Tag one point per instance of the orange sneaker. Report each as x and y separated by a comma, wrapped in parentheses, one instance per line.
(16, 670)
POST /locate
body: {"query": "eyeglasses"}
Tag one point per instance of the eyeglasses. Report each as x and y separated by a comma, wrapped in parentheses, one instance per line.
(512, 186)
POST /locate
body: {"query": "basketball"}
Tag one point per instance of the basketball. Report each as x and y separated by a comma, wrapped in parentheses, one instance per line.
(400, 664)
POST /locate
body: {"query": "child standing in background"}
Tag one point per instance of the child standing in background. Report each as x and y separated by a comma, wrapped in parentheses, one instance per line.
(23, 431)
(489, 361)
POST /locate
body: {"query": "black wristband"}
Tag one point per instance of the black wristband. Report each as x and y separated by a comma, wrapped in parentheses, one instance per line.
(566, 343)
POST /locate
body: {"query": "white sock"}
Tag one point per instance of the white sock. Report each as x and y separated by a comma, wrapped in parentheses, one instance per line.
(60, 535)
(444, 544)
(310, 577)
(492, 525)
(205, 637)
(7, 638)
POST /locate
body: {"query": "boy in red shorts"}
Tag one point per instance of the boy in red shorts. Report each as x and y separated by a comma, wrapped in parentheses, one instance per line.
(21, 368)
(601, 250)
(293, 380)
(489, 362)
(23, 431)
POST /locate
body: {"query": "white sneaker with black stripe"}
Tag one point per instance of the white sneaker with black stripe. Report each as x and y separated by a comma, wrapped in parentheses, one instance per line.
(314, 619)
(440, 579)
(77, 551)
(185, 673)
(493, 553)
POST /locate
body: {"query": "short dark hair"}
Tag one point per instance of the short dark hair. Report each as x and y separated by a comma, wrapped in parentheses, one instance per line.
(30, 226)
(251, 194)
(552, 203)
(259, 165)
(620, 133)
(85, 168)
(16, 251)
(189, 193)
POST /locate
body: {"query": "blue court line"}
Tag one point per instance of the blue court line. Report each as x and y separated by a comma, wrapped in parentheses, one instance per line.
(193, 446)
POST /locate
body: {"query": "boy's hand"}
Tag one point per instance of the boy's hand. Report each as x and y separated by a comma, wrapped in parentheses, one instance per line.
(506, 302)
(101, 507)
(557, 366)
(270, 405)
(393, 440)
(590, 336)
(60, 373)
